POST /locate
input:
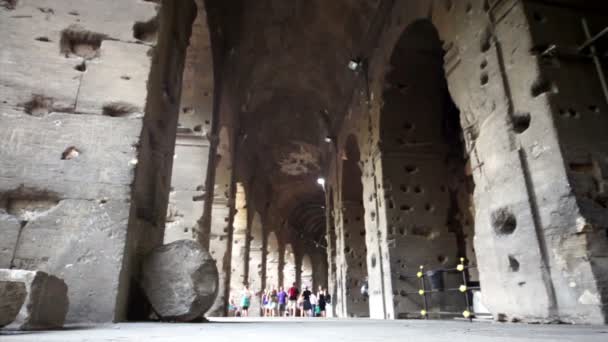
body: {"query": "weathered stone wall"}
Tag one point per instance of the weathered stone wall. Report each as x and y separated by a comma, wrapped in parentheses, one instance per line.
(534, 264)
(74, 93)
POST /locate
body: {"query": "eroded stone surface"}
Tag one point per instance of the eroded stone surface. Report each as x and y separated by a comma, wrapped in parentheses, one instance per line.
(181, 280)
(46, 303)
(12, 297)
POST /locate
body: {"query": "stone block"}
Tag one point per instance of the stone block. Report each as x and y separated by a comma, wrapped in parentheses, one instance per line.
(46, 303)
(83, 242)
(12, 297)
(180, 280)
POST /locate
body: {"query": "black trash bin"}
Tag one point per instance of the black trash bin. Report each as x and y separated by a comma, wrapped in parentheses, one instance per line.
(435, 279)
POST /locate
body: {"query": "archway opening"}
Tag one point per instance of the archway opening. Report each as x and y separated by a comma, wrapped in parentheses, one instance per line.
(428, 188)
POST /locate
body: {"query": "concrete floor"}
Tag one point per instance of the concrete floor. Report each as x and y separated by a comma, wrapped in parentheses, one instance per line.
(352, 330)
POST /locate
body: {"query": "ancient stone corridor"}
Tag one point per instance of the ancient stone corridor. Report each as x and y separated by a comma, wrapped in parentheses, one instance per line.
(416, 160)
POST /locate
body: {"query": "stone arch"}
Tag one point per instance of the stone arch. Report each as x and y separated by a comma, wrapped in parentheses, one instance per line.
(256, 271)
(423, 190)
(272, 261)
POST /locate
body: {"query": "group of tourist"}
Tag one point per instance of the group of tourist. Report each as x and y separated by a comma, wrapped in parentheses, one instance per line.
(281, 303)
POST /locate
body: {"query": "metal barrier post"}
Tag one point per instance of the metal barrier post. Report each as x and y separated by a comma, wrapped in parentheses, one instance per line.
(422, 292)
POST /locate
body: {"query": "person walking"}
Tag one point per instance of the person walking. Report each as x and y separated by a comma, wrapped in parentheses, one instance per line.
(313, 304)
(306, 306)
(293, 300)
(282, 302)
(245, 301)
(265, 302)
(273, 302)
(321, 303)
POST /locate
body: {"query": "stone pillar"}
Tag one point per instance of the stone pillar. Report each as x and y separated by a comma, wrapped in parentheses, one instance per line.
(330, 238)
(272, 261)
(351, 256)
(239, 255)
(256, 272)
(378, 261)
(220, 248)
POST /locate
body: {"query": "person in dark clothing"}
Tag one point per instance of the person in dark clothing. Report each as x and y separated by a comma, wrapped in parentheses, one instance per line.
(306, 306)
(321, 302)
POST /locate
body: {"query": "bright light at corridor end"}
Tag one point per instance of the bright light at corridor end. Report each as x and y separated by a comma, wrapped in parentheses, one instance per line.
(321, 181)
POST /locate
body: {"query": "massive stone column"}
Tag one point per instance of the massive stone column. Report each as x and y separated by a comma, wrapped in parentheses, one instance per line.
(256, 271)
(239, 255)
(330, 238)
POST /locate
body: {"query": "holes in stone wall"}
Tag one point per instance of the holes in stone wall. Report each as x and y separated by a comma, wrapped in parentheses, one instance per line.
(503, 221)
(27, 204)
(146, 30)
(542, 86)
(594, 109)
(521, 122)
(486, 6)
(70, 153)
(569, 113)
(486, 40)
(119, 109)
(483, 79)
(75, 40)
(82, 67)
(411, 169)
(422, 231)
(582, 167)
(442, 259)
(39, 105)
(418, 189)
(483, 64)
(429, 207)
(125, 77)
(538, 17)
(448, 5)
(513, 264)
(403, 188)
(406, 207)
(469, 8)
(373, 261)
(43, 39)
(9, 4)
